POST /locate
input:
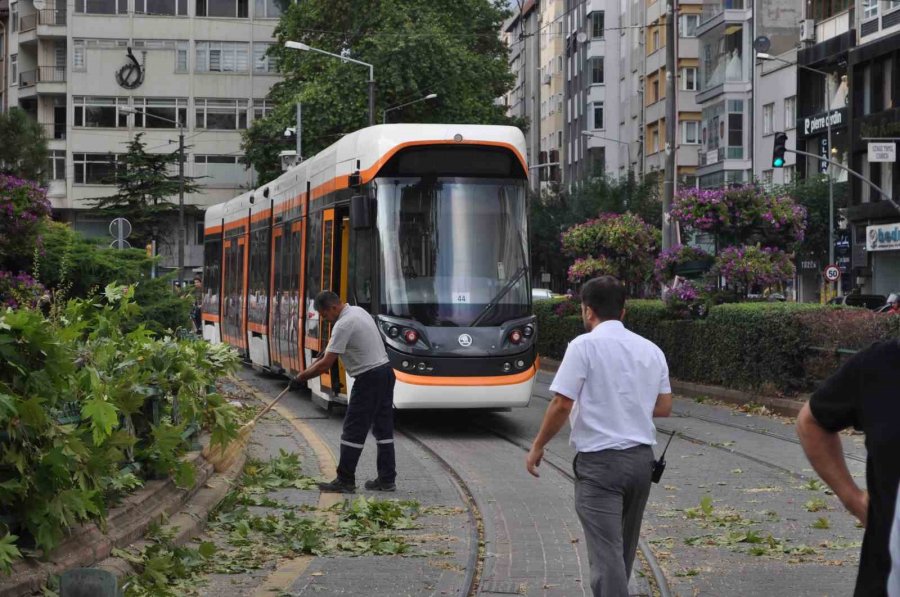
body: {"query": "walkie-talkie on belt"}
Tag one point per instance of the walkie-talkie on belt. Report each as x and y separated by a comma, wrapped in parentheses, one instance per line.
(659, 466)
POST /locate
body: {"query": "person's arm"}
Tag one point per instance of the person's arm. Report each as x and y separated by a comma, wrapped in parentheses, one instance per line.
(321, 365)
(554, 419)
(826, 455)
(663, 406)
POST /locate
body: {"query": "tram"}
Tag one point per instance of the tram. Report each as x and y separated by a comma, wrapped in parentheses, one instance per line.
(424, 226)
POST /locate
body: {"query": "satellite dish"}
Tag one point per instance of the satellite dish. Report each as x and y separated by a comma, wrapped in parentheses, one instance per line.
(40, 4)
(581, 37)
(762, 44)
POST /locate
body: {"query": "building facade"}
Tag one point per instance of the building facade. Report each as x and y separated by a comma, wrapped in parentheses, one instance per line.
(201, 63)
(521, 35)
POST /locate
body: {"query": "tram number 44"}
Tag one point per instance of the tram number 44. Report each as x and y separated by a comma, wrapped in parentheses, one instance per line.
(461, 297)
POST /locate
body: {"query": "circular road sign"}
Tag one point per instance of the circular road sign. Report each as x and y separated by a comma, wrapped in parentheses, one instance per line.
(124, 245)
(832, 273)
(114, 225)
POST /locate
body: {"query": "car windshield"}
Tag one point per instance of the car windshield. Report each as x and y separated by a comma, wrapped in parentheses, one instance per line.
(451, 246)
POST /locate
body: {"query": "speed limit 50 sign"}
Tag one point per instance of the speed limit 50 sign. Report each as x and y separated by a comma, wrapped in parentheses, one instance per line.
(832, 273)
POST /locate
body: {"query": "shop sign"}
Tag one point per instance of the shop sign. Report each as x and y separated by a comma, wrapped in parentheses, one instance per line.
(818, 123)
(823, 153)
(882, 152)
(884, 237)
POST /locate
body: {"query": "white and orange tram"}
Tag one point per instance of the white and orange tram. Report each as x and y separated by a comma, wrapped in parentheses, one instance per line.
(424, 226)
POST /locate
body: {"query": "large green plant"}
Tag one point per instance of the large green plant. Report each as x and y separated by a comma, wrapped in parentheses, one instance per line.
(23, 145)
(73, 392)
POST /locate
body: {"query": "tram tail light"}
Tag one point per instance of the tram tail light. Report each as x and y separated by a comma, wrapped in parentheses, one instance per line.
(411, 336)
(516, 336)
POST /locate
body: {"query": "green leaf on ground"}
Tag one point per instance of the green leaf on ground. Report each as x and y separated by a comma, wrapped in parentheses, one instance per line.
(815, 505)
(821, 523)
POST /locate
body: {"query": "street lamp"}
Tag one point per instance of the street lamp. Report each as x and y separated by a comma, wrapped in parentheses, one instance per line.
(384, 114)
(180, 125)
(625, 143)
(829, 107)
(296, 45)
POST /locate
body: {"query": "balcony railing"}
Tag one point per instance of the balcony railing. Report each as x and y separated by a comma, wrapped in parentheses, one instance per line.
(717, 7)
(52, 17)
(28, 22)
(881, 124)
(54, 130)
(43, 74)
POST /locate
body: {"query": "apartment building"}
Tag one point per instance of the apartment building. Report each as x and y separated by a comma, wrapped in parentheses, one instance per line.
(521, 35)
(97, 72)
(551, 57)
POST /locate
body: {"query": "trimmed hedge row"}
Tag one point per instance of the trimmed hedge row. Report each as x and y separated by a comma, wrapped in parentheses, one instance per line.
(753, 346)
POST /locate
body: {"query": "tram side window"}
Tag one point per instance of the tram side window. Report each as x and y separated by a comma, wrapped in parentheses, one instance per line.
(313, 267)
(362, 267)
(212, 275)
(259, 275)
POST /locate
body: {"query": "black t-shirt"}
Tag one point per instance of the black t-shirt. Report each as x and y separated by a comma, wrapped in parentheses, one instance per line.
(865, 394)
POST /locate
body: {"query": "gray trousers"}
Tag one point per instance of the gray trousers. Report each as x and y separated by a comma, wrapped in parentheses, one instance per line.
(611, 490)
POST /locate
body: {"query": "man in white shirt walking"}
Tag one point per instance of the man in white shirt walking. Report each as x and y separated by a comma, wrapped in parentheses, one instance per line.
(610, 385)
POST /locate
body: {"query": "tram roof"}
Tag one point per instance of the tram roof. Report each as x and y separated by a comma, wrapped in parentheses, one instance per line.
(365, 150)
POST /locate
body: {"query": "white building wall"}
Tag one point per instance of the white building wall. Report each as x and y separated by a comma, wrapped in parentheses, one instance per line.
(776, 82)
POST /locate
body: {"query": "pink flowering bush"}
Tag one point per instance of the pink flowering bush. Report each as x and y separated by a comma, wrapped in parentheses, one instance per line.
(23, 204)
(19, 290)
(746, 268)
(668, 262)
(591, 267)
(683, 300)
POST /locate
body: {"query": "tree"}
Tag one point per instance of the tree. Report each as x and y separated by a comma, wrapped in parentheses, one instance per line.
(23, 146)
(812, 194)
(145, 189)
(416, 46)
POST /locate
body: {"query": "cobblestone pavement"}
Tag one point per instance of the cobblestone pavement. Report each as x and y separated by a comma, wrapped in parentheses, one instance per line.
(738, 512)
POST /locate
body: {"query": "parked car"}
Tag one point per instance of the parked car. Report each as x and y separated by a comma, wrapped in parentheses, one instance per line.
(866, 301)
(542, 294)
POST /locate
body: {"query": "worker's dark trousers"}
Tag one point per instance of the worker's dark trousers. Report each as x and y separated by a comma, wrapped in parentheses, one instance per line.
(371, 407)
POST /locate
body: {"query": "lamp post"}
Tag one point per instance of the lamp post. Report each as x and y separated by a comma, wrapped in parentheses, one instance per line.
(384, 114)
(625, 143)
(180, 234)
(828, 107)
(296, 45)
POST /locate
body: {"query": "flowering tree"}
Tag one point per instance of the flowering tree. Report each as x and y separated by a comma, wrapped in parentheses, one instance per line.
(620, 245)
(745, 268)
(671, 260)
(22, 206)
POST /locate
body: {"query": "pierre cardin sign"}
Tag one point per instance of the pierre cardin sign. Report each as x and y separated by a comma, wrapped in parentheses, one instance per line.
(819, 123)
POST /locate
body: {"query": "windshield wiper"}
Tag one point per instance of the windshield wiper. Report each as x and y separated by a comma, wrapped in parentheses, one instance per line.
(503, 292)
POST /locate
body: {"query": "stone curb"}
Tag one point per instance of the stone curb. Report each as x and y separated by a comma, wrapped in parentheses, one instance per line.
(782, 406)
(88, 544)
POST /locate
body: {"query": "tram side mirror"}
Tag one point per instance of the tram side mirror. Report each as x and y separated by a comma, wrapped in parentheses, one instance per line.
(361, 208)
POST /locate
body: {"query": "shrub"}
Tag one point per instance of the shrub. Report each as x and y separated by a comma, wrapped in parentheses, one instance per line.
(668, 262)
(554, 332)
(23, 205)
(746, 268)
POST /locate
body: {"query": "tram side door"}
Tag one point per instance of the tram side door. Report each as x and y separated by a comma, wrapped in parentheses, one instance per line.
(343, 258)
(296, 241)
(328, 234)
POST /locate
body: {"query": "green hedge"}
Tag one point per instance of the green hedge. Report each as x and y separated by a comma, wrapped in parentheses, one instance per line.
(755, 346)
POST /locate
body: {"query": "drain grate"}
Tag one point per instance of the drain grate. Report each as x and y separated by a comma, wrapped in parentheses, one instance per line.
(501, 587)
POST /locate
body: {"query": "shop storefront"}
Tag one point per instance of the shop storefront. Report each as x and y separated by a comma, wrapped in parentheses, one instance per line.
(883, 247)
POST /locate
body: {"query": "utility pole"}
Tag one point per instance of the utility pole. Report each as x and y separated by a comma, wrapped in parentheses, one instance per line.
(180, 201)
(299, 131)
(668, 236)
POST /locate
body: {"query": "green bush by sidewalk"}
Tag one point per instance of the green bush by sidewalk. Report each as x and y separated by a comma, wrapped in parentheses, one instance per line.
(751, 346)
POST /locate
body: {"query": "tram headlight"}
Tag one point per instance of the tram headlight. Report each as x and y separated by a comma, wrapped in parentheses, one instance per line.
(393, 331)
(421, 366)
(405, 364)
(516, 336)
(507, 367)
(411, 336)
(520, 364)
(528, 331)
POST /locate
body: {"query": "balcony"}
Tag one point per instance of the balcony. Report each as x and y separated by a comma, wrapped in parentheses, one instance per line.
(44, 79)
(54, 131)
(52, 18)
(881, 124)
(716, 7)
(43, 23)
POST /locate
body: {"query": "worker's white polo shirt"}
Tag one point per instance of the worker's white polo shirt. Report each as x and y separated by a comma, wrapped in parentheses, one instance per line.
(614, 376)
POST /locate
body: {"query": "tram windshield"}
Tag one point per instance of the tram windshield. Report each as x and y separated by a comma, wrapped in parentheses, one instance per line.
(453, 250)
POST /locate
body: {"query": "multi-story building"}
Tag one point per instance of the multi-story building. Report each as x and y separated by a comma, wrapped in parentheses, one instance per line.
(688, 137)
(520, 33)
(552, 54)
(873, 73)
(201, 63)
(4, 33)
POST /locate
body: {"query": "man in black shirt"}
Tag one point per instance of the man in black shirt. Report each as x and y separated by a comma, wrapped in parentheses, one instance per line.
(864, 394)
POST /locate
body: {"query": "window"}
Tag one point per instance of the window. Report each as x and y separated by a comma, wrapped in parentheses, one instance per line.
(101, 7)
(222, 56)
(181, 57)
(655, 45)
(161, 7)
(690, 132)
(654, 90)
(14, 69)
(768, 114)
(790, 112)
(688, 25)
(767, 178)
(222, 8)
(261, 62)
(262, 108)
(146, 108)
(597, 71)
(788, 174)
(56, 164)
(597, 110)
(100, 112)
(689, 78)
(870, 9)
(14, 16)
(94, 168)
(2, 45)
(268, 9)
(597, 24)
(221, 171)
(219, 114)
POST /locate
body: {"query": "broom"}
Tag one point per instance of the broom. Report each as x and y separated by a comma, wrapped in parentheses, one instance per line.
(222, 457)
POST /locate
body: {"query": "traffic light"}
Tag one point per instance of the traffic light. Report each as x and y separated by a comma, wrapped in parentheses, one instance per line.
(778, 150)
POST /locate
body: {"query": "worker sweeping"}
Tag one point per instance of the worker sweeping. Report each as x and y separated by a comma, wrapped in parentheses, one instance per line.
(356, 340)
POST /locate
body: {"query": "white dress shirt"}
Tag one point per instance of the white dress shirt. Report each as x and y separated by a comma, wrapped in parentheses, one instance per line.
(894, 577)
(614, 376)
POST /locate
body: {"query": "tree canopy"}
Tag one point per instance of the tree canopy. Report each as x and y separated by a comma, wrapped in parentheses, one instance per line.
(417, 47)
(23, 146)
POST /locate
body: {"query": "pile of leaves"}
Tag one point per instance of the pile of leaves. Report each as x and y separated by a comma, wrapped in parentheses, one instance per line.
(78, 397)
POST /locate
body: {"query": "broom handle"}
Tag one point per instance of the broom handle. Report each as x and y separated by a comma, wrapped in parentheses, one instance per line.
(269, 406)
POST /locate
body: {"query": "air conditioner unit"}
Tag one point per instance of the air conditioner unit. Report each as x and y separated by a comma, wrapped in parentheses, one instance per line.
(808, 30)
(289, 159)
(546, 79)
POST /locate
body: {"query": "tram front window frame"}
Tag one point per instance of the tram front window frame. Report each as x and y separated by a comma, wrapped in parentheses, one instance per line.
(452, 246)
